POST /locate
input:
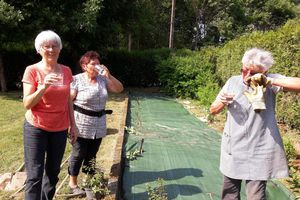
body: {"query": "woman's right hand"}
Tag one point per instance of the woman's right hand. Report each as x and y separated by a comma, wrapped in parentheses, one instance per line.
(50, 79)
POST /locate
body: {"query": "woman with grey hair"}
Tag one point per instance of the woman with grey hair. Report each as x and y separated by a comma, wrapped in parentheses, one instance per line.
(252, 148)
(49, 116)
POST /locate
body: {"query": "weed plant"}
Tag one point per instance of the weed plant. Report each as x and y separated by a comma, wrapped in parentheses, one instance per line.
(96, 181)
(157, 193)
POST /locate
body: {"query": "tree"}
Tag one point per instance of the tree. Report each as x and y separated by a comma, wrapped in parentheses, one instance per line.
(171, 38)
(75, 21)
(266, 15)
(9, 19)
(231, 18)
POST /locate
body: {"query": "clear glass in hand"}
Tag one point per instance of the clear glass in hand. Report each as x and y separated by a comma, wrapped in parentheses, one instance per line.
(100, 69)
(59, 80)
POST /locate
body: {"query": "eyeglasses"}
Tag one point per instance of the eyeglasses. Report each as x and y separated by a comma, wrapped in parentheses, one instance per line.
(245, 71)
(48, 47)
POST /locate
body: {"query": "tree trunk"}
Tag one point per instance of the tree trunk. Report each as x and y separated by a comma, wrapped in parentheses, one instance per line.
(171, 38)
(2, 76)
(129, 41)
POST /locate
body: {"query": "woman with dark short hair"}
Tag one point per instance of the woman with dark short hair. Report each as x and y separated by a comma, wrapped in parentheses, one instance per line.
(89, 91)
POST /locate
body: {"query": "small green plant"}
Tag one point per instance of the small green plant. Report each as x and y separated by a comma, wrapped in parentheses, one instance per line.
(289, 149)
(131, 130)
(157, 193)
(294, 178)
(132, 155)
(96, 181)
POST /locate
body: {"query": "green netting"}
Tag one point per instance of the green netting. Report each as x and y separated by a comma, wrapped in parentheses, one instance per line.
(178, 148)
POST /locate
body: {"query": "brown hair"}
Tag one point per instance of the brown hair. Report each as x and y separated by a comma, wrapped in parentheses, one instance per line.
(87, 57)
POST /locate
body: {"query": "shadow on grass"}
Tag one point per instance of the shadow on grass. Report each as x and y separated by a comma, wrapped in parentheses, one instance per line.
(13, 95)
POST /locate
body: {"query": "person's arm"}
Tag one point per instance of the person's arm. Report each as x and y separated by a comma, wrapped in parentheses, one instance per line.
(73, 94)
(114, 85)
(73, 131)
(216, 107)
(219, 104)
(287, 83)
(32, 95)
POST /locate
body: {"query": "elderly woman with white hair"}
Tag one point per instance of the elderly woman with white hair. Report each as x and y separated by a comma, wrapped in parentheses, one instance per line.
(48, 119)
(252, 148)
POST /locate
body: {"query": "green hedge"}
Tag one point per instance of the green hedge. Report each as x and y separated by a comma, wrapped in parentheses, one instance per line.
(190, 74)
(283, 43)
(135, 68)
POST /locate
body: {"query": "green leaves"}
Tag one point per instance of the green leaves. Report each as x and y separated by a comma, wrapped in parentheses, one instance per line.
(87, 17)
(190, 74)
(9, 15)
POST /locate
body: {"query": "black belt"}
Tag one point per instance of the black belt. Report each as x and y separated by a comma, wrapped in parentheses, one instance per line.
(90, 112)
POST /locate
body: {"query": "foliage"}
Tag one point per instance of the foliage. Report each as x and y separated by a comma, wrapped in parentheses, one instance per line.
(102, 24)
(294, 179)
(131, 130)
(207, 94)
(190, 74)
(266, 15)
(132, 155)
(9, 15)
(157, 193)
(290, 150)
(230, 18)
(87, 19)
(96, 181)
(135, 68)
(99, 25)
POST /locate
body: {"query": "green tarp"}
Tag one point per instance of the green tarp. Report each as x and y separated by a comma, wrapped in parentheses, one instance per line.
(178, 148)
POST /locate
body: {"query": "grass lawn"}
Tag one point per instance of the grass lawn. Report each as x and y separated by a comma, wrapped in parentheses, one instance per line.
(11, 122)
(11, 140)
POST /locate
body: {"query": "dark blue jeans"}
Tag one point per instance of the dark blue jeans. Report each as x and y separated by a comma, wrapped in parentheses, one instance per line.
(84, 150)
(42, 174)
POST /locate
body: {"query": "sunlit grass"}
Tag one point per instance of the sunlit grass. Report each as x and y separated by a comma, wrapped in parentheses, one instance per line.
(11, 122)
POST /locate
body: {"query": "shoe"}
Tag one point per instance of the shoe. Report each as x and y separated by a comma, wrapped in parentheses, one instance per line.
(76, 192)
(89, 194)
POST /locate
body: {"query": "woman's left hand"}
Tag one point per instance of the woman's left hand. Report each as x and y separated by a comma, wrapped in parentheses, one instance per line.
(106, 72)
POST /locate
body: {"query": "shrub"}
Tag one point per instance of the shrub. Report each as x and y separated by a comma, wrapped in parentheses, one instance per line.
(190, 74)
(135, 68)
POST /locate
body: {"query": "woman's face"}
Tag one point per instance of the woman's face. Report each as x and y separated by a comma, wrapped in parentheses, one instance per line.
(248, 71)
(90, 68)
(50, 51)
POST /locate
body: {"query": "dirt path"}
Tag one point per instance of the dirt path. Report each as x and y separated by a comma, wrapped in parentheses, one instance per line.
(109, 156)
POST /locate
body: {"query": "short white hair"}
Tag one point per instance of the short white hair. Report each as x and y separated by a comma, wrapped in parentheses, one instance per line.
(258, 58)
(46, 36)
